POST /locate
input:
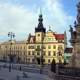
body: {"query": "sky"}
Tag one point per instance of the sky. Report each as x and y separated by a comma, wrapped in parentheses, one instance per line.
(21, 16)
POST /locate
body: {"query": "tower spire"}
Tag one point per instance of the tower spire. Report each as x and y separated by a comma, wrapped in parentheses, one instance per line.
(40, 27)
(40, 21)
(40, 10)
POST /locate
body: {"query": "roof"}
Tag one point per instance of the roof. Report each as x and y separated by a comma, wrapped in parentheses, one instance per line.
(68, 50)
(21, 42)
(59, 36)
(31, 36)
(16, 42)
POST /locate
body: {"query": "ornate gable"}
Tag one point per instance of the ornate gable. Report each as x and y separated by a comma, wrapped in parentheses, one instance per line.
(50, 37)
(31, 39)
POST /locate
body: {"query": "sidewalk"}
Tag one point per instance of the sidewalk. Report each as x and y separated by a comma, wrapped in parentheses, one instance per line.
(18, 75)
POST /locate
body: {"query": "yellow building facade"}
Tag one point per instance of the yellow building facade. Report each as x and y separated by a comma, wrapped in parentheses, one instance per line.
(41, 47)
(18, 49)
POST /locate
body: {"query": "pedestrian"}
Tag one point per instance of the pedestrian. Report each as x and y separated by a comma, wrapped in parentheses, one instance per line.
(20, 67)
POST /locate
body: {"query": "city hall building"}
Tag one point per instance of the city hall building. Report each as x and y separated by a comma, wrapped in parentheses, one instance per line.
(44, 46)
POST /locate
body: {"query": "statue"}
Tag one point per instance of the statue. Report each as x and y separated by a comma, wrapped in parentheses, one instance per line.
(75, 24)
(71, 30)
(78, 15)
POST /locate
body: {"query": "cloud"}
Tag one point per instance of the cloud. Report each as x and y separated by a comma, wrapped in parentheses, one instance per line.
(16, 18)
(22, 19)
(57, 16)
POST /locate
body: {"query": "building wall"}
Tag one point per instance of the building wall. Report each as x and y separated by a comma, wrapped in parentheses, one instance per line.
(17, 49)
(28, 52)
(67, 57)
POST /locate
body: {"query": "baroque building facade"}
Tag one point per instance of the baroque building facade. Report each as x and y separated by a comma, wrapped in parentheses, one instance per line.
(41, 47)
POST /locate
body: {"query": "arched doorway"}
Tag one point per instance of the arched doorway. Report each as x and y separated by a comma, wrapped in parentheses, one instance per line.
(38, 60)
(53, 66)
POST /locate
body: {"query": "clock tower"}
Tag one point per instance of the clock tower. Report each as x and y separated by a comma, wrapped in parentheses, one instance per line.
(40, 30)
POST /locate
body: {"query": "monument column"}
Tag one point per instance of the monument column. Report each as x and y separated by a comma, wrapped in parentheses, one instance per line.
(75, 40)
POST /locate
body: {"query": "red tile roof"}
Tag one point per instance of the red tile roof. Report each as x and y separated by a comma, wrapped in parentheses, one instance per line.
(59, 36)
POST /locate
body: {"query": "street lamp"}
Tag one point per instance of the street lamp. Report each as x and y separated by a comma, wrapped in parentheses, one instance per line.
(11, 35)
(41, 57)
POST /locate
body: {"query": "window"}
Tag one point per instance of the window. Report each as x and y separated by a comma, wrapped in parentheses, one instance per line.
(54, 47)
(28, 59)
(21, 47)
(54, 53)
(60, 61)
(32, 60)
(32, 52)
(0, 47)
(38, 46)
(49, 53)
(29, 53)
(20, 53)
(49, 47)
(49, 39)
(30, 47)
(44, 47)
(38, 53)
(60, 41)
(5, 47)
(14, 47)
(44, 53)
(43, 60)
(59, 53)
(24, 47)
(24, 53)
(60, 47)
(68, 57)
(48, 60)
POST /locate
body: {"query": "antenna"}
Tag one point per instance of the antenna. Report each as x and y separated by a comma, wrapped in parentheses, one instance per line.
(40, 10)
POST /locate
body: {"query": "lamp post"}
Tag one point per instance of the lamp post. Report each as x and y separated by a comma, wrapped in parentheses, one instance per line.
(41, 59)
(11, 35)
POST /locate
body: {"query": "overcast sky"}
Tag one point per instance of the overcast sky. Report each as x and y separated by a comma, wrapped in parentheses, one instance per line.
(21, 16)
